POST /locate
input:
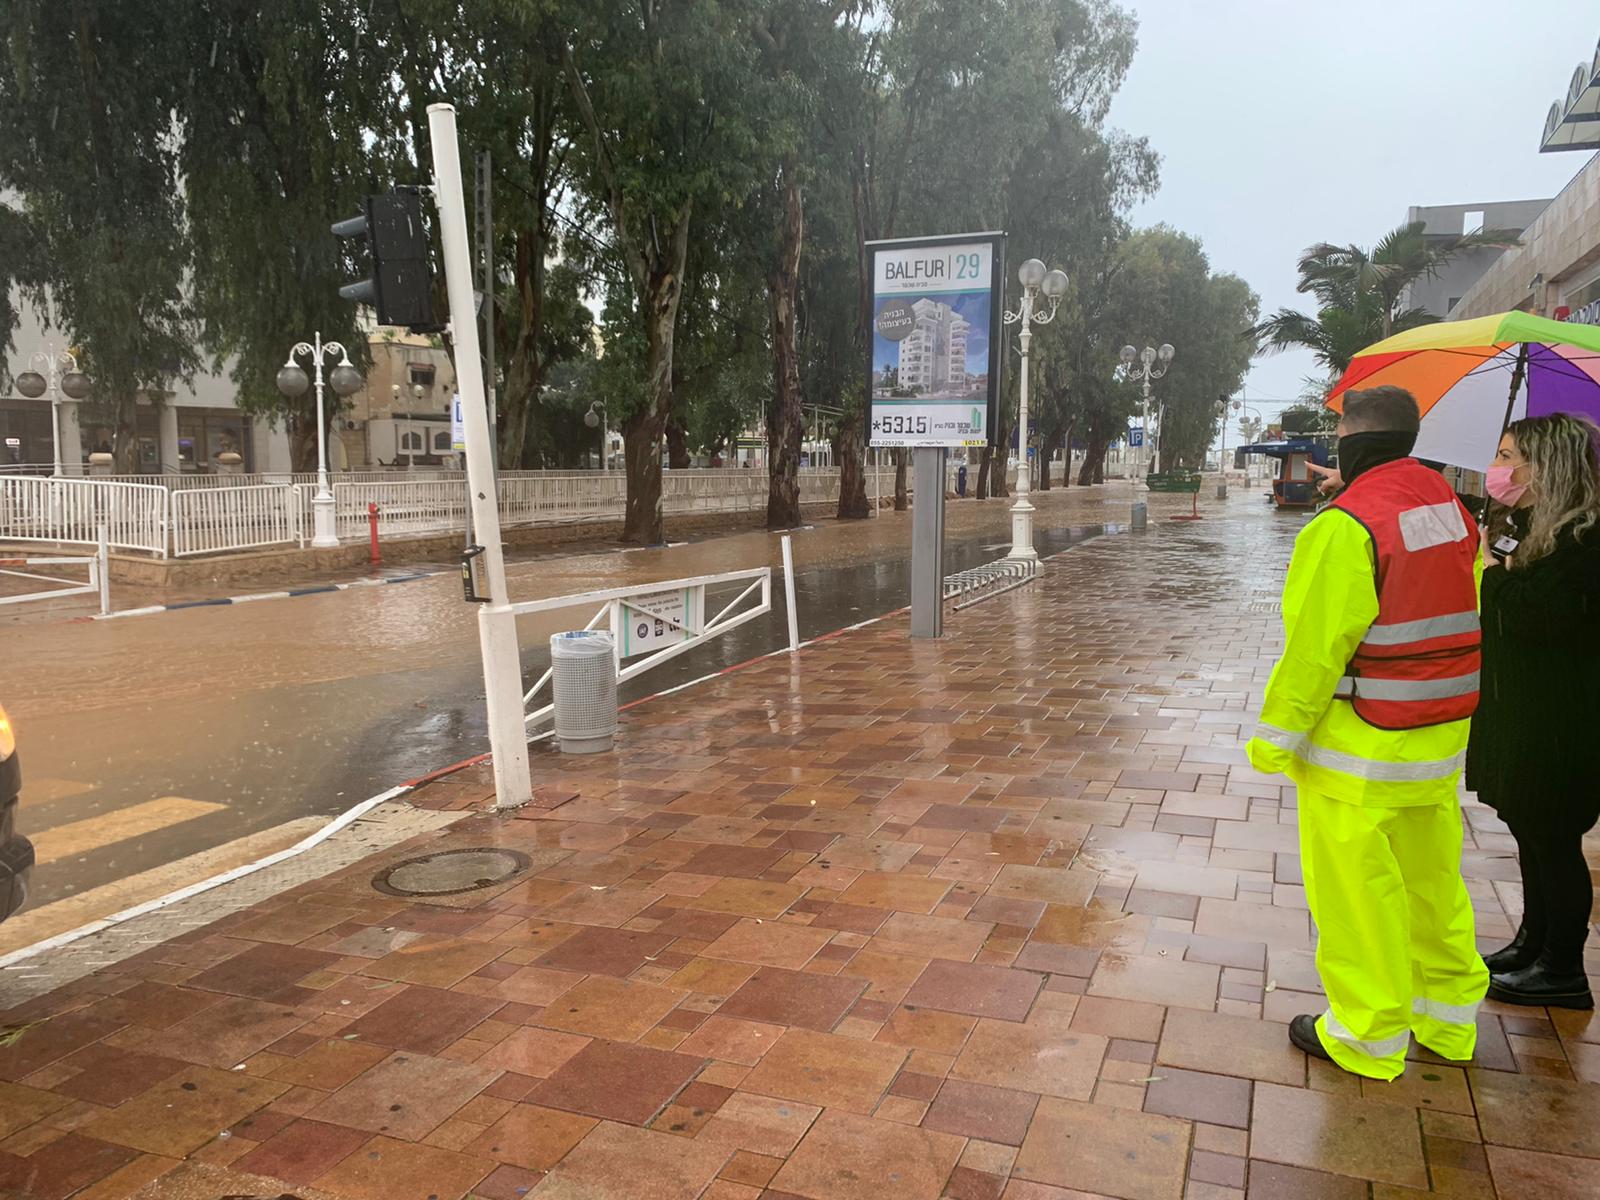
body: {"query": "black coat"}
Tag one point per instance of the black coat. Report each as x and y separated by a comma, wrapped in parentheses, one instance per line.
(1534, 753)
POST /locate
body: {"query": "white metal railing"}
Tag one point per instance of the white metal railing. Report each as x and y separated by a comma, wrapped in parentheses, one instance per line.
(243, 511)
(69, 511)
(205, 521)
(538, 498)
(657, 621)
(425, 506)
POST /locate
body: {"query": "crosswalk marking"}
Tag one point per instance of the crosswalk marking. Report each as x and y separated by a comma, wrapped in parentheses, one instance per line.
(91, 833)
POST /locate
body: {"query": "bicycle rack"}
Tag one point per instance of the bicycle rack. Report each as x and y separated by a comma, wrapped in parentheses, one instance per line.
(977, 584)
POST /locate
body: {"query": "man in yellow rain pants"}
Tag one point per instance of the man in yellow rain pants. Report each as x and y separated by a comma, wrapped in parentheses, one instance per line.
(1367, 712)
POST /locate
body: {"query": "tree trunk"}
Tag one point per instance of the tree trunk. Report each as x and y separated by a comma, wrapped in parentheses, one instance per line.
(1046, 448)
(852, 445)
(303, 442)
(902, 498)
(1094, 453)
(1000, 464)
(785, 416)
(985, 463)
(125, 436)
(641, 454)
(642, 433)
(677, 447)
(517, 402)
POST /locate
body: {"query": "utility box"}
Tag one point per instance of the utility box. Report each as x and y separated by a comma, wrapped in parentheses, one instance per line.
(583, 666)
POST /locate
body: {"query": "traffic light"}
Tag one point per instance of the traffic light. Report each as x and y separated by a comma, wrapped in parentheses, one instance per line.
(401, 285)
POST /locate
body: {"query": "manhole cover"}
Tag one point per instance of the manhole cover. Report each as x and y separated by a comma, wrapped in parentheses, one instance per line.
(450, 872)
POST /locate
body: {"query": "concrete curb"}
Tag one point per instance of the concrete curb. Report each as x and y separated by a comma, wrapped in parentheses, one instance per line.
(315, 590)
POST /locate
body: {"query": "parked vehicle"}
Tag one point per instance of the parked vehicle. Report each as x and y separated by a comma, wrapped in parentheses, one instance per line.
(16, 851)
(1296, 484)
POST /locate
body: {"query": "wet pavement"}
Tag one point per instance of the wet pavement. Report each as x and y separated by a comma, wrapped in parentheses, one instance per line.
(200, 727)
(1000, 916)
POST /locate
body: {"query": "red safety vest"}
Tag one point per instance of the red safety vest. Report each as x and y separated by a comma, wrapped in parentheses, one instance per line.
(1418, 664)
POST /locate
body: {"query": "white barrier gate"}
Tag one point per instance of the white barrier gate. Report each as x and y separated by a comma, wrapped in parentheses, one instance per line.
(656, 620)
(99, 564)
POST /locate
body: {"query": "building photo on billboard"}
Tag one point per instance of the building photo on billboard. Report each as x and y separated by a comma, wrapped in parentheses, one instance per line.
(934, 373)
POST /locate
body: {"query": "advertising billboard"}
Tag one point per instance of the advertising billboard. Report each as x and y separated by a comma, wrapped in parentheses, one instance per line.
(937, 303)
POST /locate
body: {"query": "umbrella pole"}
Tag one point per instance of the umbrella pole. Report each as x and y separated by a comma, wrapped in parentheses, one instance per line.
(1517, 375)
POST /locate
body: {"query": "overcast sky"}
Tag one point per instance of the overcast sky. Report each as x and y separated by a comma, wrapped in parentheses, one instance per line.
(1284, 124)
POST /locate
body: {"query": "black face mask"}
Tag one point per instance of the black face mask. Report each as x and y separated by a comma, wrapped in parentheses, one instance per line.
(1360, 452)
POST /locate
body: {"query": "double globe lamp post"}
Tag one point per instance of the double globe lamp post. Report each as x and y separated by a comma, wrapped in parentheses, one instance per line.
(346, 380)
(595, 418)
(1146, 370)
(57, 374)
(1053, 284)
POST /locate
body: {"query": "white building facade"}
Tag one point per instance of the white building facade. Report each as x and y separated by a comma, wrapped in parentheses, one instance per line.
(933, 356)
(182, 432)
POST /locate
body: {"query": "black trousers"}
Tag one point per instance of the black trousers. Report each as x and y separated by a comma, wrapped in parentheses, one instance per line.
(1557, 892)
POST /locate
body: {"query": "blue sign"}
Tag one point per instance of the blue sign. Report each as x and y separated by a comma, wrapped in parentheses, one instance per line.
(1136, 437)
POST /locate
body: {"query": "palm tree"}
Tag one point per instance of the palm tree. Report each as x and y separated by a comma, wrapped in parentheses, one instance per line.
(1359, 292)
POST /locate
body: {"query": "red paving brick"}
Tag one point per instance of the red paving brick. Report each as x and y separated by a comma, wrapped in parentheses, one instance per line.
(1004, 915)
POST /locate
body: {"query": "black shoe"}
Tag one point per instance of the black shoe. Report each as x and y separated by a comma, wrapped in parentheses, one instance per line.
(1303, 1033)
(1522, 952)
(1547, 983)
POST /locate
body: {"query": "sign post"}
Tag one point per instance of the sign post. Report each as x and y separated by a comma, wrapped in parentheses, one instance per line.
(934, 377)
(497, 624)
(927, 544)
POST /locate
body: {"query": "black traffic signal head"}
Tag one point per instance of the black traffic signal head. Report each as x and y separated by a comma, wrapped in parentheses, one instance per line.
(401, 285)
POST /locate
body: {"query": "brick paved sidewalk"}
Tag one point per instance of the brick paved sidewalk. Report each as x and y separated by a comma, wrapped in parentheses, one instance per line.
(1001, 916)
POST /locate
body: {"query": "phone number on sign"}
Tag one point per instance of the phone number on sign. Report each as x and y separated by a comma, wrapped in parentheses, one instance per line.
(893, 424)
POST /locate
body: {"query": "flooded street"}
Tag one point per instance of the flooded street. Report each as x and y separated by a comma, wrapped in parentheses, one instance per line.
(150, 739)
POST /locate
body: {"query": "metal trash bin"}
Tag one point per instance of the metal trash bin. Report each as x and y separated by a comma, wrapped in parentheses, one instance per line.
(583, 669)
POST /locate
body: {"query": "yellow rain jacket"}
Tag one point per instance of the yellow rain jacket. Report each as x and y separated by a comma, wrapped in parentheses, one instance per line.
(1380, 828)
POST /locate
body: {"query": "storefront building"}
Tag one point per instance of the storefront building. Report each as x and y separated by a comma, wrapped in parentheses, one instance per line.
(184, 431)
(1555, 272)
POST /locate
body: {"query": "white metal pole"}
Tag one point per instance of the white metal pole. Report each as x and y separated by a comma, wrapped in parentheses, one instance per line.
(788, 595)
(102, 563)
(497, 626)
(55, 421)
(605, 439)
(877, 480)
(1022, 511)
(324, 535)
(1222, 457)
(1145, 450)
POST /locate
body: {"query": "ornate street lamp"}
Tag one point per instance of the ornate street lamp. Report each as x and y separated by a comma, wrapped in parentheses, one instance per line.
(1146, 370)
(57, 374)
(1034, 279)
(594, 420)
(346, 380)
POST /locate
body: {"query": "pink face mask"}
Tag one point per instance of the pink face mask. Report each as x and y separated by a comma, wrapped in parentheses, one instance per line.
(1498, 481)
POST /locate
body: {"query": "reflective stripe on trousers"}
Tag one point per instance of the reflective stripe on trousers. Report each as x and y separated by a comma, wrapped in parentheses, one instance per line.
(1448, 1014)
(1382, 1048)
(1302, 747)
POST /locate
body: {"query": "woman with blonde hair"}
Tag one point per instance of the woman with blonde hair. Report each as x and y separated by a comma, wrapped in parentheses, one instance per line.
(1531, 755)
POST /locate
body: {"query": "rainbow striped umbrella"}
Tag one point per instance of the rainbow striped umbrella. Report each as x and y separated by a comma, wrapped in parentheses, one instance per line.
(1473, 378)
